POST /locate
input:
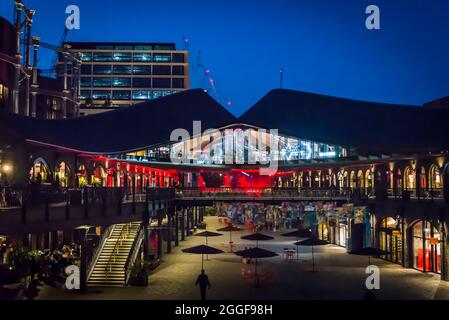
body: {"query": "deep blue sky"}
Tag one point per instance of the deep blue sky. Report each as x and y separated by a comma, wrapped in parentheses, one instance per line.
(322, 45)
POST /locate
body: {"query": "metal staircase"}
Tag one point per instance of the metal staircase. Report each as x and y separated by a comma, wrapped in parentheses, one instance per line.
(114, 258)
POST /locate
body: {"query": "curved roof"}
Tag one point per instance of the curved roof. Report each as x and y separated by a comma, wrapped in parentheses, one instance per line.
(143, 125)
(374, 127)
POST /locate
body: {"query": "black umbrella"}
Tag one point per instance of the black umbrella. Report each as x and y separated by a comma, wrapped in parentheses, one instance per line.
(257, 237)
(311, 243)
(229, 229)
(368, 251)
(208, 234)
(256, 253)
(202, 249)
(299, 233)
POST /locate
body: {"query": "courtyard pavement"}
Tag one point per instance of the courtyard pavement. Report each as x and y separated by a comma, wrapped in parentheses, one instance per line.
(338, 276)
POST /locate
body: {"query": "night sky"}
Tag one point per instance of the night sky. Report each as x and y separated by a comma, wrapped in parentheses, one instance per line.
(323, 45)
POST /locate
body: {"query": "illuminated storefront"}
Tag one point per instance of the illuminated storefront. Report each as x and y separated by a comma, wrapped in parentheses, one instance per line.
(390, 239)
(426, 246)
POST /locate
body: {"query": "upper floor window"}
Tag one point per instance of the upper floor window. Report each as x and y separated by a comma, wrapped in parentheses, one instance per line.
(142, 70)
(122, 47)
(178, 83)
(86, 56)
(101, 82)
(121, 82)
(142, 57)
(104, 47)
(141, 47)
(161, 83)
(162, 57)
(102, 69)
(86, 69)
(121, 69)
(122, 57)
(103, 56)
(178, 57)
(178, 70)
(161, 70)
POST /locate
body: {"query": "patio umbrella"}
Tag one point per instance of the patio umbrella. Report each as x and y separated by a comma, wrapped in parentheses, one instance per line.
(202, 249)
(368, 251)
(208, 234)
(311, 243)
(256, 253)
(229, 229)
(257, 237)
(299, 233)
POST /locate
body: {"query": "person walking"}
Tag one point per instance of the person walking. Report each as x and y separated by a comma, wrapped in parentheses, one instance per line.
(203, 281)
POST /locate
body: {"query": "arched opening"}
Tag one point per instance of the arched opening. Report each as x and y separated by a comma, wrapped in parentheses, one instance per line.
(426, 247)
(63, 174)
(435, 177)
(353, 181)
(390, 239)
(99, 177)
(82, 176)
(399, 182)
(369, 180)
(360, 180)
(40, 171)
(409, 178)
(422, 178)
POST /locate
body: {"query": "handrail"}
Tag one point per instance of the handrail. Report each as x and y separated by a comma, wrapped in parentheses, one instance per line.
(135, 249)
(121, 236)
(96, 252)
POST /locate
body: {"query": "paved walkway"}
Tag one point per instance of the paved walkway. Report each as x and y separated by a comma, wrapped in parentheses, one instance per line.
(338, 276)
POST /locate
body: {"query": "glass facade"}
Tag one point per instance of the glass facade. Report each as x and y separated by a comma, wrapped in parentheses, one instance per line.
(121, 82)
(121, 69)
(102, 56)
(426, 245)
(142, 70)
(102, 69)
(122, 57)
(142, 57)
(101, 95)
(102, 82)
(141, 83)
(162, 57)
(121, 95)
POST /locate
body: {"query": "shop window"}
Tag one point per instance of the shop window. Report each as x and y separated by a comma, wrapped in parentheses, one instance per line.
(426, 247)
(410, 178)
(436, 181)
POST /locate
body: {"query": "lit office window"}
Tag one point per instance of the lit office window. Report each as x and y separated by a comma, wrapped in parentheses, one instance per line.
(164, 47)
(121, 95)
(101, 82)
(86, 56)
(85, 94)
(178, 70)
(161, 93)
(103, 56)
(142, 70)
(102, 69)
(123, 47)
(162, 57)
(119, 69)
(104, 47)
(122, 57)
(142, 57)
(141, 83)
(177, 83)
(101, 95)
(142, 95)
(86, 82)
(161, 70)
(161, 83)
(143, 48)
(121, 82)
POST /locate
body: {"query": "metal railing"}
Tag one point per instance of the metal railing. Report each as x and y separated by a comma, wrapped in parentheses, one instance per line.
(135, 250)
(122, 236)
(96, 252)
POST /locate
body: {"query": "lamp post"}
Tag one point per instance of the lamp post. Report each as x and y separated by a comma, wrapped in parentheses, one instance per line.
(7, 169)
